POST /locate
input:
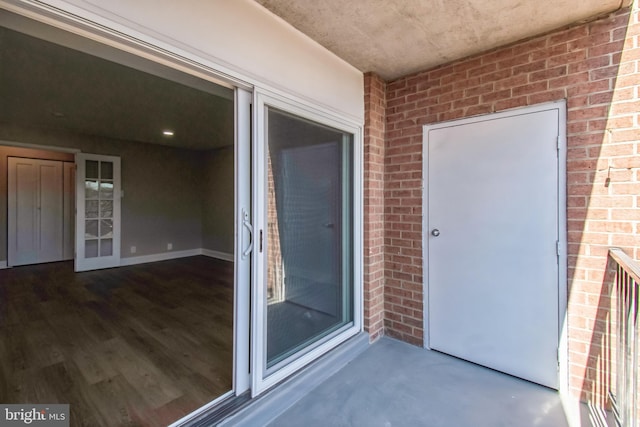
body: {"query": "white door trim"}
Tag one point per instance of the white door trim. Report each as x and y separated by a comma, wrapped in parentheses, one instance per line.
(244, 242)
(561, 108)
(39, 147)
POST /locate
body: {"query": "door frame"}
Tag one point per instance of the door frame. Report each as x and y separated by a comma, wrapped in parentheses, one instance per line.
(7, 143)
(561, 107)
(262, 378)
(135, 40)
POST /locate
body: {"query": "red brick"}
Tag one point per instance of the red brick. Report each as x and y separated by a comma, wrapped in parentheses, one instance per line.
(530, 67)
(530, 88)
(485, 69)
(548, 73)
(480, 90)
(496, 95)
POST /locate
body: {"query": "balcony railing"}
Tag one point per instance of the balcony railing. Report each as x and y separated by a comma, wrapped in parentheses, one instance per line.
(624, 393)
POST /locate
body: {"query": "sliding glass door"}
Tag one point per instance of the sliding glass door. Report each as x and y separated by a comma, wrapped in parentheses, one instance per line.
(306, 277)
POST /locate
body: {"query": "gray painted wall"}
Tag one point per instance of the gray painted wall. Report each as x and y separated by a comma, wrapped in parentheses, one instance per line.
(218, 200)
(164, 191)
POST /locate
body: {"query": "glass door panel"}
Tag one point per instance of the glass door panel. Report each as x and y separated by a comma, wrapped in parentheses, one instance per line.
(306, 265)
(98, 212)
(309, 213)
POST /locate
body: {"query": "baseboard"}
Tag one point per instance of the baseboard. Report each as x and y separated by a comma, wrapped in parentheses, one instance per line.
(3, 265)
(217, 254)
(159, 257)
(165, 256)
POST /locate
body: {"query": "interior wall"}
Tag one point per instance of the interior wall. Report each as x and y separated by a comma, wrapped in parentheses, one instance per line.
(162, 187)
(6, 152)
(218, 200)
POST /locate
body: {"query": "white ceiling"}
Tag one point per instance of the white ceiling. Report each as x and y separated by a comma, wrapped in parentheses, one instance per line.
(394, 38)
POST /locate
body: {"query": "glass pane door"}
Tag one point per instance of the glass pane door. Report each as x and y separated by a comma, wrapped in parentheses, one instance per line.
(306, 288)
(309, 216)
(98, 208)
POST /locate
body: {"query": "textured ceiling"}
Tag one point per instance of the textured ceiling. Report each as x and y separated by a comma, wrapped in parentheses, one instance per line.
(394, 38)
(48, 86)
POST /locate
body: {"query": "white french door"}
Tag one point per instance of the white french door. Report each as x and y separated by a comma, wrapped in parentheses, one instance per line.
(98, 191)
(306, 198)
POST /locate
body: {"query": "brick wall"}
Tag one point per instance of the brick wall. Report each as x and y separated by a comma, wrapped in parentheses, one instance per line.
(374, 205)
(595, 67)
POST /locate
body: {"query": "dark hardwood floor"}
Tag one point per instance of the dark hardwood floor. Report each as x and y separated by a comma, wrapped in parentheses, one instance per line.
(132, 346)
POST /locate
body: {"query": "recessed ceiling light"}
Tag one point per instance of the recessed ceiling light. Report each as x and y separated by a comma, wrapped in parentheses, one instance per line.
(167, 132)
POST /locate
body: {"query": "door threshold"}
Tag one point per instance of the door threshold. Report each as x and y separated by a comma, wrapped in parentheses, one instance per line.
(217, 412)
(267, 407)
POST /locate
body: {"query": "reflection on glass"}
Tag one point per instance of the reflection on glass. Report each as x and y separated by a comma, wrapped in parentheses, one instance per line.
(91, 209)
(106, 208)
(106, 170)
(106, 247)
(91, 229)
(91, 169)
(106, 190)
(91, 189)
(106, 228)
(309, 229)
(99, 206)
(90, 248)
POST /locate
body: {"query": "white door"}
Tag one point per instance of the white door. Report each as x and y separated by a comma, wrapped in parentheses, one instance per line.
(98, 194)
(35, 205)
(492, 233)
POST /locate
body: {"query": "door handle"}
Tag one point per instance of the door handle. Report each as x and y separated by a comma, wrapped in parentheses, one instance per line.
(247, 224)
(435, 232)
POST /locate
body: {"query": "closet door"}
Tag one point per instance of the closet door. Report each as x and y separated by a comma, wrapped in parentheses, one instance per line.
(35, 205)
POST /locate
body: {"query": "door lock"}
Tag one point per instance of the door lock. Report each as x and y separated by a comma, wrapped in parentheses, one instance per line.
(435, 232)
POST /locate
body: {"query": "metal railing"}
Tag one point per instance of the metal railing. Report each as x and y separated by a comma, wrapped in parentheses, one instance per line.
(624, 396)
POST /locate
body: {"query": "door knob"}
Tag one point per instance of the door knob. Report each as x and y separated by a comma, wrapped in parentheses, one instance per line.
(435, 232)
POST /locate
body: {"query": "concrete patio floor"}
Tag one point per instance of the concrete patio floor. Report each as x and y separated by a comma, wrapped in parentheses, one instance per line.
(395, 384)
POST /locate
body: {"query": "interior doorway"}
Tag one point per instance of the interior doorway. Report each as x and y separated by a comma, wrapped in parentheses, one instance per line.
(161, 161)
